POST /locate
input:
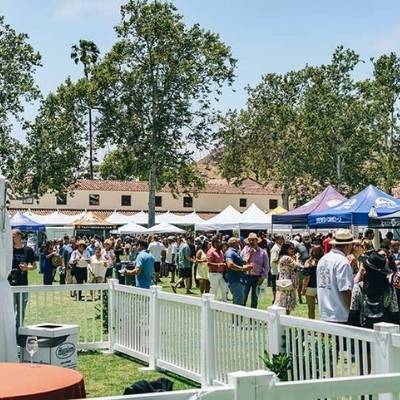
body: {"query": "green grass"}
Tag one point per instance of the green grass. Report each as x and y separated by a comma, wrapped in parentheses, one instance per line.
(264, 302)
(109, 375)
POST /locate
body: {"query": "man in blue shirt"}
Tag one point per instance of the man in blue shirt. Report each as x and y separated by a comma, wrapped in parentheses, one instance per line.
(144, 266)
(236, 271)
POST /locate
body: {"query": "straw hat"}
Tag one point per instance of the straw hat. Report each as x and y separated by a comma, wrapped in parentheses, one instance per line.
(252, 236)
(343, 236)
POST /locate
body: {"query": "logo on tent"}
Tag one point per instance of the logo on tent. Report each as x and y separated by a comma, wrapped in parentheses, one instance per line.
(333, 202)
(347, 204)
(383, 202)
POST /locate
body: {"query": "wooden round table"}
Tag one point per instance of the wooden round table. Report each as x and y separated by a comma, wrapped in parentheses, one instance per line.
(44, 382)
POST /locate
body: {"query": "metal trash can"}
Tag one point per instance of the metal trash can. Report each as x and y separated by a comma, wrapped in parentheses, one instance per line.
(57, 344)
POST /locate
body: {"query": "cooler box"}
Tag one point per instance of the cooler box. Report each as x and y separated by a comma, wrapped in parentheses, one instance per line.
(57, 344)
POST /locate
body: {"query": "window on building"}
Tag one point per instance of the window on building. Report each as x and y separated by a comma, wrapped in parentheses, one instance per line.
(94, 199)
(158, 201)
(273, 203)
(126, 200)
(188, 201)
(242, 202)
(61, 199)
(27, 200)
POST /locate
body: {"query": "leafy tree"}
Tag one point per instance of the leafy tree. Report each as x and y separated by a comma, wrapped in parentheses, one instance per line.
(303, 130)
(265, 140)
(52, 159)
(120, 165)
(18, 63)
(87, 53)
(382, 94)
(155, 92)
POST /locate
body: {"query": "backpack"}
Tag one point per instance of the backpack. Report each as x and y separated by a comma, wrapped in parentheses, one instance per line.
(373, 311)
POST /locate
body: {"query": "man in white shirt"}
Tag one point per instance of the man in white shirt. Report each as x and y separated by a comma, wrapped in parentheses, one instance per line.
(170, 257)
(335, 279)
(276, 248)
(155, 249)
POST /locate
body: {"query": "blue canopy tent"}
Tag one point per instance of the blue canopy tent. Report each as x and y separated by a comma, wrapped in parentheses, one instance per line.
(23, 223)
(355, 210)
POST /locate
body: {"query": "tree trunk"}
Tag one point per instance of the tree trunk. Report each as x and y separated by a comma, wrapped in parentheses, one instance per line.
(152, 196)
(285, 198)
(90, 145)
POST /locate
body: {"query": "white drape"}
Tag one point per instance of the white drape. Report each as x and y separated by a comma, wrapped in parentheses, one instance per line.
(8, 345)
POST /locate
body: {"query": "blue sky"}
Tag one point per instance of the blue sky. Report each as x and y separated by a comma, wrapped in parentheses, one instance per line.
(265, 36)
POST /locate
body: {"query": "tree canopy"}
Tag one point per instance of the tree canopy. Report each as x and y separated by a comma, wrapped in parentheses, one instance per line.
(317, 126)
(155, 91)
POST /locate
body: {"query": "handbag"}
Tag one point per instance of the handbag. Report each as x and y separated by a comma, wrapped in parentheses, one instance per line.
(56, 261)
(284, 284)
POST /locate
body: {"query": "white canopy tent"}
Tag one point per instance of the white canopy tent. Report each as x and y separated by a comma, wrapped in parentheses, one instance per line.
(140, 218)
(254, 219)
(131, 228)
(58, 219)
(34, 217)
(8, 345)
(167, 218)
(117, 218)
(190, 219)
(227, 219)
(164, 228)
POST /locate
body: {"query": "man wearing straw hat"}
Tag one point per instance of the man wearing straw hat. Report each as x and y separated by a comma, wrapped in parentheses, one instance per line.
(258, 257)
(335, 279)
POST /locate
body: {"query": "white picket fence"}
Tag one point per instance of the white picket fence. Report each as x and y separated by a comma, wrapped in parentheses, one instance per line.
(205, 340)
(263, 385)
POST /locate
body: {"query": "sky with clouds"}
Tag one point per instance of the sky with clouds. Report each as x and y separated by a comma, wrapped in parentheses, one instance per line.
(265, 36)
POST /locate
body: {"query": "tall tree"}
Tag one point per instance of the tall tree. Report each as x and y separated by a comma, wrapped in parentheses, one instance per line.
(18, 63)
(155, 91)
(55, 151)
(383, 94)
(87, 53)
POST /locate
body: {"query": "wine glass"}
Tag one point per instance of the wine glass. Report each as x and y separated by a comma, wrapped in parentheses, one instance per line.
(31, 346)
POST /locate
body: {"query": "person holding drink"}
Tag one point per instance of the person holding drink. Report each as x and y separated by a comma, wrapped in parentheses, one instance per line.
(236, 269)
(98, 265)
(79, 260)
(253, 254)
(23, 261)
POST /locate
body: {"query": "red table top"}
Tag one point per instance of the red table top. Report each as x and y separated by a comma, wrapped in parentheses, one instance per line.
(20, 381)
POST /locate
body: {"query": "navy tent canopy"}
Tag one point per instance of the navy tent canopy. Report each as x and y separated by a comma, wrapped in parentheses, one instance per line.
(355, 210)
(299, 216)
(23, 223)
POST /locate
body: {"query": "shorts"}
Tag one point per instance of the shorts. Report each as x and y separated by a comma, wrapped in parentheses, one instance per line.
(185, 272)
(311, 291)
(157, 266)
(300, 277)
(171, 267)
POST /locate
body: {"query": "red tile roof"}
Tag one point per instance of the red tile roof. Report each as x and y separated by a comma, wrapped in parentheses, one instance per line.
(101, 213)
(216, 186)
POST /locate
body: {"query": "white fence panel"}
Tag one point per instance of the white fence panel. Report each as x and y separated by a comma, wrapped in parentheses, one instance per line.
(240, 338)
(323, 350)
(131, 321)
(179, 334)
(61, 305)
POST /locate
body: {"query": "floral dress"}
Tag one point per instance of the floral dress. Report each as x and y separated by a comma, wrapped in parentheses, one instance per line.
(287, 298)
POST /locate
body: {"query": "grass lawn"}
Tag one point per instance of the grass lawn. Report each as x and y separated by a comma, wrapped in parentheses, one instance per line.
(110, 374)
(265, 299)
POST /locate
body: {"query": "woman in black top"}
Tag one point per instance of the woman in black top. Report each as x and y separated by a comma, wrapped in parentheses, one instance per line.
(309, 288)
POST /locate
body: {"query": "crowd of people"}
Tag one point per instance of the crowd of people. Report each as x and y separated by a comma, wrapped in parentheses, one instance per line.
(349, 280)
